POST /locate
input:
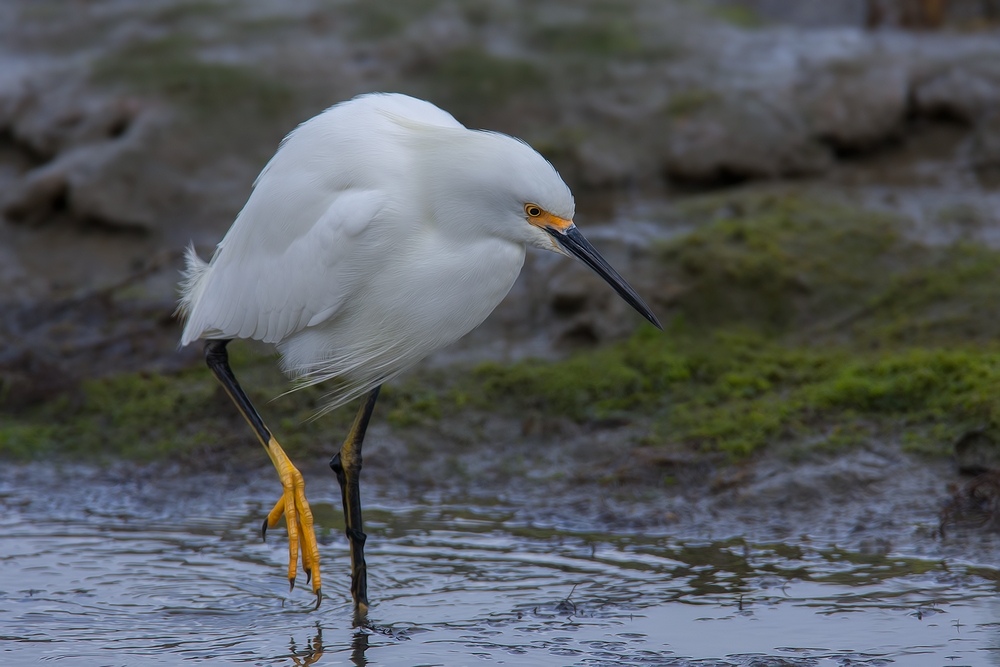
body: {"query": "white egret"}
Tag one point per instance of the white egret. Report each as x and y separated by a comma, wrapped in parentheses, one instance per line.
(381, 230)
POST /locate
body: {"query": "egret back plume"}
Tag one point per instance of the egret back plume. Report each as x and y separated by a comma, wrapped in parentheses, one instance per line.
(192, 281)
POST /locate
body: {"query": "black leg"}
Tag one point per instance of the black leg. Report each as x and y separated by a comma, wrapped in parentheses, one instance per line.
(218, 360)
(293, 504)
(347, 464)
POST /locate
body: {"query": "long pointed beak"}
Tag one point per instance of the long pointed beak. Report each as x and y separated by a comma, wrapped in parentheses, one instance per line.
(573, 242)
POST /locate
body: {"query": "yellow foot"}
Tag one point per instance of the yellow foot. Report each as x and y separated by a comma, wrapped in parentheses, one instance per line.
(299, 519)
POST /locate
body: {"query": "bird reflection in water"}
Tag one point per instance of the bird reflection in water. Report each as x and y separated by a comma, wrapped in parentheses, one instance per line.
(358, 647)
(313, 651)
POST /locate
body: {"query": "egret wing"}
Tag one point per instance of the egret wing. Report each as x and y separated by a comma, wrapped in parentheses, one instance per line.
(287, 261)
(278, 271)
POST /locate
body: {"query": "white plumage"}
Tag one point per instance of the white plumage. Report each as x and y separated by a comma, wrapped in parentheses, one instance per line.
(381, 231)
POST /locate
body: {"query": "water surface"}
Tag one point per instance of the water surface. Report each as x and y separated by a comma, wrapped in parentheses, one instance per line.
(98, 570)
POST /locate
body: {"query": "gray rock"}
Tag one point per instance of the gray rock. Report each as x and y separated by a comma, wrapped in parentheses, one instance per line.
(975, 453)
(855, 105)
(960, 94)
(607, 161)
(845, 476)
(111, 182)
(38, 195)
(745, 138)
(984, 145)
(63, 117)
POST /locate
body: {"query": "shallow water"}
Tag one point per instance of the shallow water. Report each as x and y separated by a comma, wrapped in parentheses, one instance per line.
(99, 570)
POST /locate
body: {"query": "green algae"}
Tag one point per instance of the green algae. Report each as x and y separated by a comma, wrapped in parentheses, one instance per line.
(737, 393)
(185, 416)
(790, 321)
(688, 102)
(470, 80)
(815, 271)
(612, 38)
(171, 67)
(738, 15)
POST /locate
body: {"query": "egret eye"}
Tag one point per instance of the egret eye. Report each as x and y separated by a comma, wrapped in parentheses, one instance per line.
(532, 210)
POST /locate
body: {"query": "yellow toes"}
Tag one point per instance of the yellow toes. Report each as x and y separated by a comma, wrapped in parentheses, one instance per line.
(275, 514)
(298, 519)
(273, 517)
(310, 548)
(292, 523)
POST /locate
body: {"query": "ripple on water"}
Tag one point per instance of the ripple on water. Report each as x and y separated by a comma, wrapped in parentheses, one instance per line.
(100, 575)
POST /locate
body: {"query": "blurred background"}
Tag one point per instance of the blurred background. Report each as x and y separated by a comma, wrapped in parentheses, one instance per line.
(807, 192)
(820, 175)
(856, 132)
(129, 129)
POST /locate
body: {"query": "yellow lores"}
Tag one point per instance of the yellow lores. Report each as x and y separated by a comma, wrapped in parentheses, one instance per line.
(542, 219)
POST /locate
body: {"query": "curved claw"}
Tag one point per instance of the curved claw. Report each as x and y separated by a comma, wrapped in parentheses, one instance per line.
(263, 531)
(309, 574)
(319, 598)
(291, 584)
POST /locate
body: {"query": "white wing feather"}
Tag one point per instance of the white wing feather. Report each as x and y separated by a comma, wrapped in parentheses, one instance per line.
(291, 257)
(269, 293)
(328, 260)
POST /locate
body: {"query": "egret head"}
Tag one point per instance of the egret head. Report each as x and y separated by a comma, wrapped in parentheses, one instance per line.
(507, 189)
(542, 208)
(565, 238)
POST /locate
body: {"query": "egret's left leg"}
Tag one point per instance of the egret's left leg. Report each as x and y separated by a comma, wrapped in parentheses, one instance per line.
(347, 465)
(293, 503)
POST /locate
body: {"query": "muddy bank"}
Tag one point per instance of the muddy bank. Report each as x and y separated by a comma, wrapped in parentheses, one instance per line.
(819, 363)
(810, 204)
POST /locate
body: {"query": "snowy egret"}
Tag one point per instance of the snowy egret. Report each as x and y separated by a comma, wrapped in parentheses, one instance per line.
(380, 231)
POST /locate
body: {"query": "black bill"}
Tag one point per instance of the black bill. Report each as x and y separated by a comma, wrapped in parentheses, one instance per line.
(573, 242)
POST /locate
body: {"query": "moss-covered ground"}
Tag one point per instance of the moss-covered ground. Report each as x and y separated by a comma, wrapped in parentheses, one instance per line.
(789, 321)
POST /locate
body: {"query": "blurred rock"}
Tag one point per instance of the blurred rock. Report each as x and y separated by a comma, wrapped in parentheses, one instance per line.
(605, 162)
(746, 138)
(63, 117)
(94, 157)
(849, 474)
(959, 94)
(930, 14)
(26, 378)
(36, 197)
(855, 105)
(984, 146)
(976, 453)
(976, 504)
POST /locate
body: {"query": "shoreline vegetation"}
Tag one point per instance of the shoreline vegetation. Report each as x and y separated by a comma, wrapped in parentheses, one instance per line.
(788, 320)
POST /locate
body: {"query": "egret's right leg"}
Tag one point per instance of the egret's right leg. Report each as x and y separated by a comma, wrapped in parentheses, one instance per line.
(347, 465)
(293, 503)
